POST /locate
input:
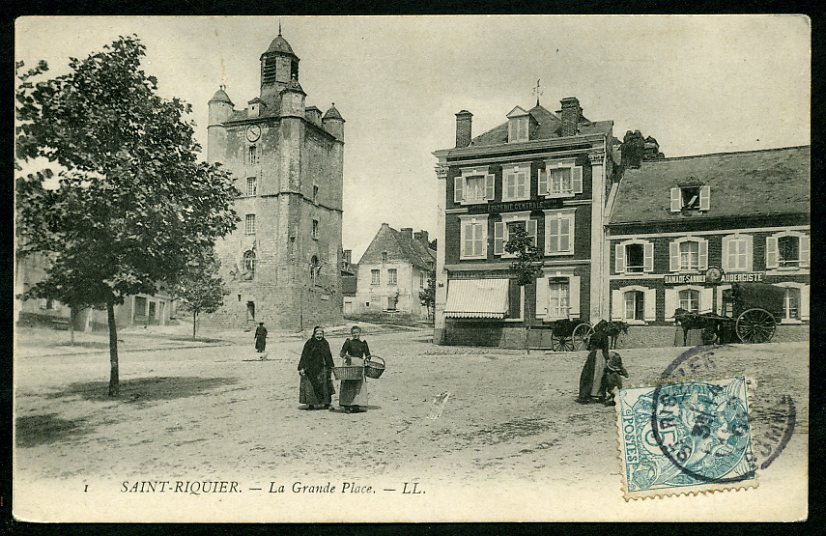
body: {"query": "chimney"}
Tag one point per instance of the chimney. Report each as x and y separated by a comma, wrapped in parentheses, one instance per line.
(348, 256)
(421, 236)
(464, 120)
(571, 114)
(407, 232)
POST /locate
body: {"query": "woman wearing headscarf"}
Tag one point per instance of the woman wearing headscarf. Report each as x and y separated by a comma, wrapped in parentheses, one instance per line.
(353, 395)
(314, 367)
(590, 380)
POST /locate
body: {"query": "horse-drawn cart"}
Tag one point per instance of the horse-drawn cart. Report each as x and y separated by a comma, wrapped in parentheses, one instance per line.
(751, 312)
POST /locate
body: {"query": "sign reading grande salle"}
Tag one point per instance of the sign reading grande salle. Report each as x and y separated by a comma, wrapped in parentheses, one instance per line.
(742, 277)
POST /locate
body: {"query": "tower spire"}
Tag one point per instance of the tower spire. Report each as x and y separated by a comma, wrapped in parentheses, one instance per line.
(279, 26)
(537, 90)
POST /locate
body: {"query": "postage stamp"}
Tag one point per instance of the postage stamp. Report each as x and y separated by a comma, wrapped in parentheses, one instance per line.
(685, 438)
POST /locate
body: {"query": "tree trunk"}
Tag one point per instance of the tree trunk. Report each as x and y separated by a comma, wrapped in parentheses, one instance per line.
(72, 326)
(194, 319)
(114, 382)
(528, 338)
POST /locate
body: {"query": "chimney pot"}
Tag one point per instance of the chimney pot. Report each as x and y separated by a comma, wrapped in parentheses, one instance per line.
(464, 123)
(570, 113)
(407, 232)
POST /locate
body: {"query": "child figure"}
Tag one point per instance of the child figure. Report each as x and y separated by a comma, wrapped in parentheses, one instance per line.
(612, 377)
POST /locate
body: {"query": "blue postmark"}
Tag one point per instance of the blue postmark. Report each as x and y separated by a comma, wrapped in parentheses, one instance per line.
(685, 435)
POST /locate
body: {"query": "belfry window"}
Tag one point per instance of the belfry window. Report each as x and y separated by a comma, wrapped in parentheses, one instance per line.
(268, 70)
(252, 155)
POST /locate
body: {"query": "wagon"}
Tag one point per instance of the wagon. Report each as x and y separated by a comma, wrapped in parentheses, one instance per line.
(569, 335)
(751, 312)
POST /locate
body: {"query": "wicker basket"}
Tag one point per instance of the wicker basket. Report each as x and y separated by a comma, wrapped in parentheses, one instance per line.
(350, 372)
(372, 369)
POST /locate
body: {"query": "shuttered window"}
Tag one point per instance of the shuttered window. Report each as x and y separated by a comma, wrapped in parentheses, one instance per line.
(690, 300)
(515, 183)
(558, 298)
(474, 233)
(559, 232)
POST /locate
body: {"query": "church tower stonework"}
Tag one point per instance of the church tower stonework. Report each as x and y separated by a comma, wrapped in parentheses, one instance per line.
(282, 264)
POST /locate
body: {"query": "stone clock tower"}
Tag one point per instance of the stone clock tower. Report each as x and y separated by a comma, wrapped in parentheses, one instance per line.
(282, 263)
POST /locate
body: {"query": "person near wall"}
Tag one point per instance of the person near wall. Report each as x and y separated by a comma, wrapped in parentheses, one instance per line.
(260, 338)
(353, 393)
(316, 363)
(590, 380)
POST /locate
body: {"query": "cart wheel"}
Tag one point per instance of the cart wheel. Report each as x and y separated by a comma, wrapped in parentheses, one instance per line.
(755, 326)
(582, 335)
(562, 343)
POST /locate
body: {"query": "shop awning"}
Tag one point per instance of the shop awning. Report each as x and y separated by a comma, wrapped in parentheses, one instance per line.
(477, 298)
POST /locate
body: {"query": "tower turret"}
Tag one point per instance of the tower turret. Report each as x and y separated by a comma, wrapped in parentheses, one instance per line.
(220, 110)
(279, 65)
(333, 122)
(292, 99)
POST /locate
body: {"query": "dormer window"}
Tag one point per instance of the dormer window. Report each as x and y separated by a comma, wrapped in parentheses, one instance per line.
(690, 198)
(518, 125)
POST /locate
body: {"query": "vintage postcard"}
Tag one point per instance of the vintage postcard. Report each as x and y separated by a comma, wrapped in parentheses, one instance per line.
(419, 268)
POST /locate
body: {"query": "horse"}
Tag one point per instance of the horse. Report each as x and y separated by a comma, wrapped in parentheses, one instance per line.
(688, 321)
(612, 330)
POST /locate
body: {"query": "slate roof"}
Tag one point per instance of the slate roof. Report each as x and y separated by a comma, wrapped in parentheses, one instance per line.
(548, 125)
(279, 44)
(220, 96)
(332, 113)
(398, 248)
(753, 183)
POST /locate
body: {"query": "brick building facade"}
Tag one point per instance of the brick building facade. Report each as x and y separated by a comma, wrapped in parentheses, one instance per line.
(282, 263)
(549, 173)
(746, 214)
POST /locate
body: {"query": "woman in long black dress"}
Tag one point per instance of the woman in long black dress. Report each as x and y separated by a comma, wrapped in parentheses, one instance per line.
(353, 396)
(314, 367)
(590, 380)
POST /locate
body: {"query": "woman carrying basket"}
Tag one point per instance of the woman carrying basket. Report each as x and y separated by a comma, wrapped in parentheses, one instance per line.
(353, 393)
(314, 367)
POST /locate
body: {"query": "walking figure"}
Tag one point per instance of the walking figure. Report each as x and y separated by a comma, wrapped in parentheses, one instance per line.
(261, 339)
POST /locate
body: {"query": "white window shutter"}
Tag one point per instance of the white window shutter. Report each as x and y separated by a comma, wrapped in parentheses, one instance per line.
(573, 296)
(619, 260)
(804, 302)
(718, 306)
(542, 183)
(771, 252)
(702, 258)
(804, 250)
(676, 202)
(532, 230)
(705, 198)
(523, 184)
(484, 230)
(571, 232)
(616, 305)
(650, 305)
(489, 188)
(498, 238)
(548, 220)
(463, 238)
(673, 256)
(648, 257)
(706, 297)
(749, 252)
(458, 189)
(576, 179)
(670, 304)
(541, 297)
(726, 253)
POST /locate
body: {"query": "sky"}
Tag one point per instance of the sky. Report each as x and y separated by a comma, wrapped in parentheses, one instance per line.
(699, 84)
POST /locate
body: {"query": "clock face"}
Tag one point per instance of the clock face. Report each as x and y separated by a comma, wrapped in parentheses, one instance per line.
(253, 132)
(714, 274)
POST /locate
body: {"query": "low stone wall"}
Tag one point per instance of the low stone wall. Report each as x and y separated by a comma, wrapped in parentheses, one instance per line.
(664, 336)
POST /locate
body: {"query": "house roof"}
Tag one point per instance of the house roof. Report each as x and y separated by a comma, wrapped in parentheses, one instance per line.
(548, 125)
(752, 183)
(399, 248)
(280, 45)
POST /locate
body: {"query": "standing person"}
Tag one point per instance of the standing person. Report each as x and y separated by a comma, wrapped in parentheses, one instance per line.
(590, 380)
(260, 338)
(353, 396)
(314, 367)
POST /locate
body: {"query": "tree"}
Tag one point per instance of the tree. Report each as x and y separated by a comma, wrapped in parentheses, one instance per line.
(527, 265)
(427, 296)
(132, 204)
(200, 288)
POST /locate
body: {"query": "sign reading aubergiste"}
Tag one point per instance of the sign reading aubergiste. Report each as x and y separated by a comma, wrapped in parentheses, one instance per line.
(742, 277)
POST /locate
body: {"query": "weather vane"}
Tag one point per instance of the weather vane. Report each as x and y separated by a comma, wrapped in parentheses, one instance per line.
(538, 90)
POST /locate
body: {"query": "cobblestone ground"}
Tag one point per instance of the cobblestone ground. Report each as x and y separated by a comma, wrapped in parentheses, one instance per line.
(220, 413)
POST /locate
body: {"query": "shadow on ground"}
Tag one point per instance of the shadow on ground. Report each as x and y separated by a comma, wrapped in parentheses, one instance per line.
(197, 339)
(144, 389)
(94, 345)
(36, 430)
